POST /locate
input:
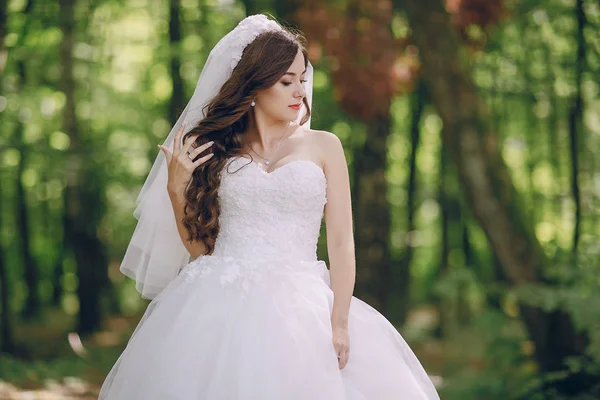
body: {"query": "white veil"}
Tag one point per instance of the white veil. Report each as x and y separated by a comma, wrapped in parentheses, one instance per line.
(156, 254)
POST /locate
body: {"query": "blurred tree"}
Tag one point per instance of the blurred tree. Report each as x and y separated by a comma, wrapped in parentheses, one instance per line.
(491, 194)
(83, 196)
(32, 307)
(6, 327)
(419, 100)
(31, 272)
(553, 127)
(7, 344)
(57, 265)
(443, 200)
(3, 30)
(576, 123)
(258, 6)
(532, 134)
(177, 102)
(452, 227)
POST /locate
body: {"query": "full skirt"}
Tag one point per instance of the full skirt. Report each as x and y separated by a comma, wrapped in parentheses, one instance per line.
(233, 329)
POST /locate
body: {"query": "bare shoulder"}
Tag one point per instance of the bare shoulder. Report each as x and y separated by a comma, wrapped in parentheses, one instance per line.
(328, 147)
(325, 138)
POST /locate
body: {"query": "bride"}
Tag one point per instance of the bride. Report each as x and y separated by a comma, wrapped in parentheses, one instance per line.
(225, 247)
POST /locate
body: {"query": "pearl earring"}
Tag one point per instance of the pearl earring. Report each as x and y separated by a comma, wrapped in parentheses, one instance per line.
(253, 103)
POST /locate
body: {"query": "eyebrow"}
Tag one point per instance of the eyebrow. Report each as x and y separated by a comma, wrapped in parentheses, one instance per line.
(294, 74)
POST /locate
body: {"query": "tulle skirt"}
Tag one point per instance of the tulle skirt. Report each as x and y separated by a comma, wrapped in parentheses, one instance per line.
(233, 329)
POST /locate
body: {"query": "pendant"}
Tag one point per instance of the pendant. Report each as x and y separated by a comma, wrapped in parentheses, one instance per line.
(267, 162)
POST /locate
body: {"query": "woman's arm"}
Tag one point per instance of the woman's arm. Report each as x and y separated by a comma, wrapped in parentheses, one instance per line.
(340, 239)
(194, 247)
(338, 221)
(181, 167)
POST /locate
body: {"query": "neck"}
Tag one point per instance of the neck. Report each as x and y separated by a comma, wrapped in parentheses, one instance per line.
(265, 133)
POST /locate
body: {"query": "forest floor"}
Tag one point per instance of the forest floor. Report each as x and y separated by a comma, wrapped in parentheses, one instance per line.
(53, 362)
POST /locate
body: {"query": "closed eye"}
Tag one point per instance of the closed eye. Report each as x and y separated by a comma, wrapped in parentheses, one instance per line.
(289, 83)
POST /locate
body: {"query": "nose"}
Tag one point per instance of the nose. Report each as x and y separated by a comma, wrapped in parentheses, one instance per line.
(300, 93)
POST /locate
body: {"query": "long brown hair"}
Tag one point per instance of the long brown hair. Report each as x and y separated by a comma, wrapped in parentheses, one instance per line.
(263, 63)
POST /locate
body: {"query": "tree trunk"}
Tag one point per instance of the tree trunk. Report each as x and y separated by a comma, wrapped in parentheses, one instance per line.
(486, 179)
(57, 268)
(3, 30)
(176, 104)
(576, 125)
(7, 344)
(31, 271)
(451, 308)
(83, 192)
(284, 9)
(250, 6)
(52, 228)
(464, 308)
(535, 204)
(444, 202)
(372, 216)
(553, 130)
(403, 283)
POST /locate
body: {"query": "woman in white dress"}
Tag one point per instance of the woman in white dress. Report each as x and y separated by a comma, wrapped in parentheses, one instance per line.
(226, 241)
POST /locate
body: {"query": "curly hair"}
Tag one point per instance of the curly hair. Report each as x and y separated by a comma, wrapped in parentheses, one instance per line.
(264, 61)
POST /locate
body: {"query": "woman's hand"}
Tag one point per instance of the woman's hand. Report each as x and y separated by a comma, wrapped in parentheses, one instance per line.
(341, 343)
(180, 161)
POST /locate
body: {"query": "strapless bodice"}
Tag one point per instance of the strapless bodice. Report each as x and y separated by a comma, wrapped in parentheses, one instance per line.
(270, 214)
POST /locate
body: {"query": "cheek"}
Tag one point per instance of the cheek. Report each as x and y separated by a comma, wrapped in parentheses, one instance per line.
(275, 94)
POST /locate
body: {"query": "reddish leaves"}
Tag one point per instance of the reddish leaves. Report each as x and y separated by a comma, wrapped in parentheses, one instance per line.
(470, 15)
(368, 65)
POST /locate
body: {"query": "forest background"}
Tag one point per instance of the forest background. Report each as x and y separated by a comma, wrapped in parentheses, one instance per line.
(472, 133)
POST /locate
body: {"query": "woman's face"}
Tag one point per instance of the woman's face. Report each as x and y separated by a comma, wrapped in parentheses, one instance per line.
(283, 100)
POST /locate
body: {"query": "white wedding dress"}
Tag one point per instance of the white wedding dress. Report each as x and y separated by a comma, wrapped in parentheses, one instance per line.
(252, 320)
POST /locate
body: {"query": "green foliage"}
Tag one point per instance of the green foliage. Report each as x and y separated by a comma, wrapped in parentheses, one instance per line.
(487, 359)
(492, 358)
(575, 289)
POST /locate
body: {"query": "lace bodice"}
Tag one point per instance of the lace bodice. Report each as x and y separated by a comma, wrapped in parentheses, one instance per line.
(266, 215)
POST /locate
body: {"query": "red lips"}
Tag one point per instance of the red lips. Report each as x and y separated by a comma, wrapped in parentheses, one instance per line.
(296, 106)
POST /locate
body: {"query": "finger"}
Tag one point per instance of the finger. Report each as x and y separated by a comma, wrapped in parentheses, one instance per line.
(344, 359)
(189, 141)
(177, 140)
(200, 149)
(166, 151)
(202, 160)
(341, 362)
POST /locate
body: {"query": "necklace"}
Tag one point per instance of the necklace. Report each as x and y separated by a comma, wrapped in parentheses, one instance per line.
(268, 160)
